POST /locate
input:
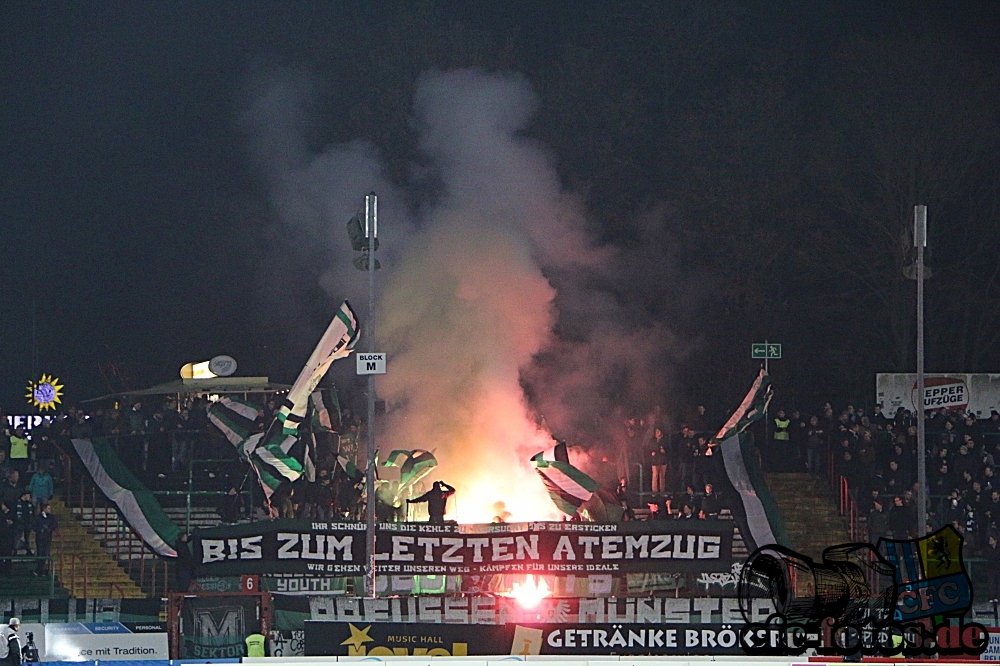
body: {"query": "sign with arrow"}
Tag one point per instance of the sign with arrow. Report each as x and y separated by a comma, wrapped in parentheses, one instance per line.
(765, 350)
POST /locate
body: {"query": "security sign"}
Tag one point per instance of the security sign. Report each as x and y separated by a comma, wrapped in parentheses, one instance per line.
(371, 364)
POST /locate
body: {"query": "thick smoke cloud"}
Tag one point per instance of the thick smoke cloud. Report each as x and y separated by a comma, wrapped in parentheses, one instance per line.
(505, 324)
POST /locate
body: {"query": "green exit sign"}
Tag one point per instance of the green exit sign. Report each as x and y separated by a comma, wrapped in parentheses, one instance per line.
(765, 350)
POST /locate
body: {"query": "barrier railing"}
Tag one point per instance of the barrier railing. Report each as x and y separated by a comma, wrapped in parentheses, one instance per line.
(20, 569)
(848, 508)
(85, 571)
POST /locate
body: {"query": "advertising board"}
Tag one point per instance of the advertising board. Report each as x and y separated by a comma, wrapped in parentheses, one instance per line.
(976, 393)
(442, 640)
(112, 641)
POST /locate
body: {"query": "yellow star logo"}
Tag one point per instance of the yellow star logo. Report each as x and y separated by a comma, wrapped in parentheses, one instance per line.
(358, 637)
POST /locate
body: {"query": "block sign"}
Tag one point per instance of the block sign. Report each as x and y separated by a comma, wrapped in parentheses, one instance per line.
(371, 364)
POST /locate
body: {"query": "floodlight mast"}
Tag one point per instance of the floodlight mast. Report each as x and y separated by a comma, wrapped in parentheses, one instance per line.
(371, 233)
(920, 242)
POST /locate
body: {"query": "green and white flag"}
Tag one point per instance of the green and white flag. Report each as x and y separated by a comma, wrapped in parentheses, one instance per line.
(274, 456)
(568, 487)
(133, 499)
(281, 453)
(337, 342)
(756, 512)
(401, 471)
(235, 418)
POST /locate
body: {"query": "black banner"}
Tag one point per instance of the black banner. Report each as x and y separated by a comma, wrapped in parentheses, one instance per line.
(388, 639)
(216, 627)
(290, 546)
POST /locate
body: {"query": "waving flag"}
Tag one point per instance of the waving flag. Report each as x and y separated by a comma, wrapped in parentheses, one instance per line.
(282, 453)
(755, 511)
(337, 342)
(235, 418)
(401, 471)
(568, 487)
(137, 504)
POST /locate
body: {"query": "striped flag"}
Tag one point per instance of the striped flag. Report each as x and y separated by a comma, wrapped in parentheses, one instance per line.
(281, 453)
(235, 418)
(413, 465)
(568, 487)
(350, 469)
(402, 470)
(753, 507)
(337, 342)
(137, 504)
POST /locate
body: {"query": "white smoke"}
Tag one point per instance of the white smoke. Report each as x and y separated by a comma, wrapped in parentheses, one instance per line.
(474, 289)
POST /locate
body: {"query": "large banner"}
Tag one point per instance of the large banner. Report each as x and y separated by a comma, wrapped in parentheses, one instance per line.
(216, 627)
(434, 640)
(499, 610)
(290, 546)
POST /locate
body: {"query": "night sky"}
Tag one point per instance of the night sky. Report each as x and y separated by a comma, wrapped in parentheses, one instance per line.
(139, 234)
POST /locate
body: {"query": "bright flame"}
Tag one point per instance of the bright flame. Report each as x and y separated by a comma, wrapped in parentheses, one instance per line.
(531, 593)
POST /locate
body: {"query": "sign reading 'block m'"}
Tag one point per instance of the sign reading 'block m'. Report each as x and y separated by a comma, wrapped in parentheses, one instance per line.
(371, 364)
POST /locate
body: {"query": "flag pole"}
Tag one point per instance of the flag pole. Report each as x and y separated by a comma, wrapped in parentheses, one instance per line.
(371, 233)
(920, 241)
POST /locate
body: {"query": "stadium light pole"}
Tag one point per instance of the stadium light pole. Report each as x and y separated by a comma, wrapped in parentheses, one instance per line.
(920, 242)
(364, 239)
(371, 233)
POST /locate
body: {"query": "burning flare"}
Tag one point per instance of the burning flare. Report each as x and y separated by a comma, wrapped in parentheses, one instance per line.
(531, 593)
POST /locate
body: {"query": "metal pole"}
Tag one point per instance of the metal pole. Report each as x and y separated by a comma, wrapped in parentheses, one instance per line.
(371, 233)
(920, 241)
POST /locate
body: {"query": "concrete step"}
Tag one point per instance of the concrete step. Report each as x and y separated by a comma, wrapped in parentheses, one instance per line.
(72, 543)
(809, 511)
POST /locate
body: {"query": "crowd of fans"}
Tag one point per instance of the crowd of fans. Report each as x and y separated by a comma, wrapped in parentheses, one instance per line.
(26, 487)
(680, 470)
(681, 475)
(877, 455)
(874, 452)
(170, 445)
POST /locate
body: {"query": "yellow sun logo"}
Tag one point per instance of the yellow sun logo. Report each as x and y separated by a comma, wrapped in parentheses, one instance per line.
(45, 393)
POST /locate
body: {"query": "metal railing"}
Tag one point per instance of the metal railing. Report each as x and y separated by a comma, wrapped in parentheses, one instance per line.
(84, 571)
(857, 529)
(188, 494)
(12, 572)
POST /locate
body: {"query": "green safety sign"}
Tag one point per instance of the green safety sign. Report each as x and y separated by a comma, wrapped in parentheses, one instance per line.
(765, 350)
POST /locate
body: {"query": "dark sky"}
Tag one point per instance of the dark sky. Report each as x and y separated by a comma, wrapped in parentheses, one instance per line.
(135, 220)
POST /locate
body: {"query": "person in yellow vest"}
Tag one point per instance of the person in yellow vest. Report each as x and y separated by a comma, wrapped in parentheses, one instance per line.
(255, 645)
(781, 439)
(19, 451)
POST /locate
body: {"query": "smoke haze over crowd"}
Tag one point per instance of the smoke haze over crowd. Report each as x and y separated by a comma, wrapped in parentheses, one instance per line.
(497, 309)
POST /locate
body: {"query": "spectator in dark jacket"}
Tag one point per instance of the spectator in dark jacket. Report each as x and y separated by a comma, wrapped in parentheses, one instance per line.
(878, 521)
(710, 503)
(437, 500)
(45, 527)
(230, 507)
(7, 538)
(902, 519)
(24, 522)
(10, 490)
(322, 497)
